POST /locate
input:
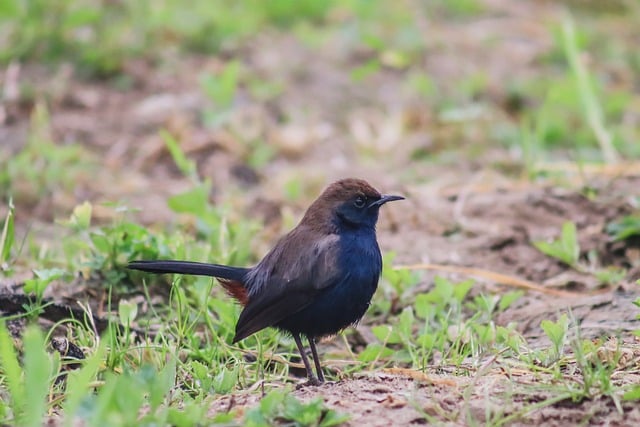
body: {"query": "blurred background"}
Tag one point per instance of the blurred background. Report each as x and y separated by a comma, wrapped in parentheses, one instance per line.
(258, 105)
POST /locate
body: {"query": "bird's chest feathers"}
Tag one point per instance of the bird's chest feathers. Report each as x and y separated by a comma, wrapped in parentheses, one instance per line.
(359, 257)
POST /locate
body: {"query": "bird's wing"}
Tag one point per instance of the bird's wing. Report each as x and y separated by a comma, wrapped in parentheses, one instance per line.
(300, 272)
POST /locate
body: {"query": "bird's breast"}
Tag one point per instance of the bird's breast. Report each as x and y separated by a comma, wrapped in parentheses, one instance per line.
(360, 256)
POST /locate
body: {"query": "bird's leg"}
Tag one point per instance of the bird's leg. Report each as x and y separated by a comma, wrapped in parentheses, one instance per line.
(312, 378)
(316, 359)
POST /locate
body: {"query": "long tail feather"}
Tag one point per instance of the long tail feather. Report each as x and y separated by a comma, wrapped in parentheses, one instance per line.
(188, 267)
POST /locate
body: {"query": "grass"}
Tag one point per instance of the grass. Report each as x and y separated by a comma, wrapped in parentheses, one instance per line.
(566, 249)
(74, 30)
(166, 355)
(171, 375)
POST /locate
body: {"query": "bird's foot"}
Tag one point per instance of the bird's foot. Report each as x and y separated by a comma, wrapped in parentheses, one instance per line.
(311, 382)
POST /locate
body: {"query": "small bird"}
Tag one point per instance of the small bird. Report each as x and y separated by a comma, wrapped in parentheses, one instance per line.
(316, 281)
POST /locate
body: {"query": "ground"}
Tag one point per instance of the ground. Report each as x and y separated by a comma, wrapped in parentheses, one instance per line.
(474, 204)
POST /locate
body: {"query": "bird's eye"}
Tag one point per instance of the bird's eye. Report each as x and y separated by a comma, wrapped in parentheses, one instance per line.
(360, 202)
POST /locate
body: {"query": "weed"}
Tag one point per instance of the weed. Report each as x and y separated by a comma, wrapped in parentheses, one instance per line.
(591, 107)
(29, 384)
(281, 406)
(7, 237)
(624, 228)
(567, 250)
(42, 279)
(556, 332)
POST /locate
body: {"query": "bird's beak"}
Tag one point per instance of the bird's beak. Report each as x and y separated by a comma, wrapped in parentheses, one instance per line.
(384, 199)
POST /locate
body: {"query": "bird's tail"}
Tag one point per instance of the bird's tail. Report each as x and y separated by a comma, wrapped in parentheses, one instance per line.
(188, 267)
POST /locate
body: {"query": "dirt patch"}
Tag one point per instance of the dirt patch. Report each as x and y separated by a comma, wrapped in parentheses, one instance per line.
(493, 392)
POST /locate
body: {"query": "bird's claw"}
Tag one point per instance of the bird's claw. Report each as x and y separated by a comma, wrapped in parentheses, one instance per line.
(311, 382)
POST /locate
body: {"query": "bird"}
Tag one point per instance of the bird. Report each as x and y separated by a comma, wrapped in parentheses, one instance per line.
(316, 281)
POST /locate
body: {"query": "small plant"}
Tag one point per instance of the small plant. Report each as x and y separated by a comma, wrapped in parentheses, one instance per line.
(566, 248)
(123, 396)
(282, 407)
(396, 284)
(42, 279)
(592, 110)
(221, 88)
(7, 238)
(557, 333)
(28, 385)
(624, 228)
(105, 250)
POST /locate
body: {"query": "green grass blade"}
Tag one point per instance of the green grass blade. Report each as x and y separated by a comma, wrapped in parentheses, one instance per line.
(37, 373)
(6, 239)
(186, 166)
(12, 372)
(592, 108)
(79, 383)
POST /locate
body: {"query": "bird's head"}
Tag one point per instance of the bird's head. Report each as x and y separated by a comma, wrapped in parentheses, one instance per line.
(348, 203)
